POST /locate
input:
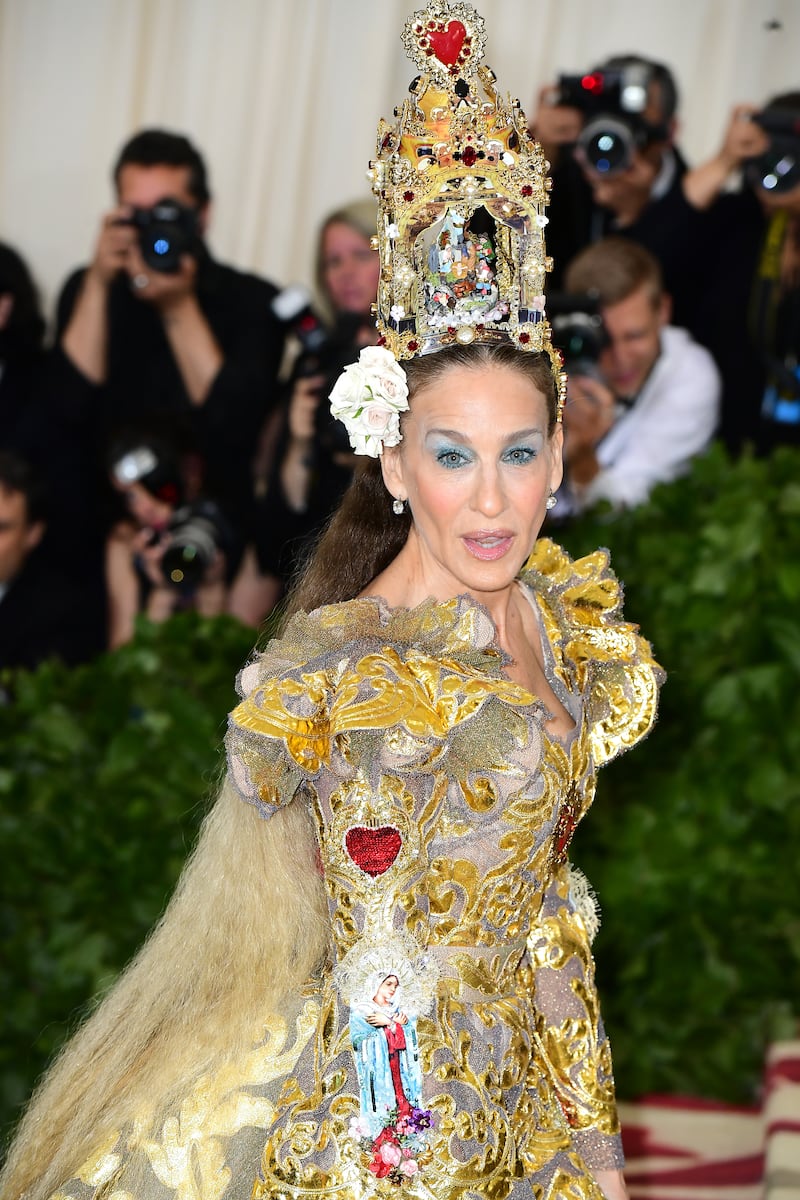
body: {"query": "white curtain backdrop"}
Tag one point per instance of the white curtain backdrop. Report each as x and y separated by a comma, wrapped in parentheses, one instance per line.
(283, 98)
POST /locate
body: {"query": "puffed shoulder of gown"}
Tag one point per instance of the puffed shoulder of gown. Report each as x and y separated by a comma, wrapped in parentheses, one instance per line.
(303, 693)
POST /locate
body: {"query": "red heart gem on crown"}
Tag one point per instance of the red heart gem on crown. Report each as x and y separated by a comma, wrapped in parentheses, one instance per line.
(373, 850)
(447, 42)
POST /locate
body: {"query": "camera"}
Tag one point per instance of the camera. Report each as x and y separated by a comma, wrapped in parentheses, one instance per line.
(778, 168)
(292, 307)
(322, 351)
(578, 331)
(613, 102)
(166, 231)
(195, 534)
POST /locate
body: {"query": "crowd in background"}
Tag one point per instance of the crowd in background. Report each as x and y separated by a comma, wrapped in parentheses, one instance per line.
(169, 445)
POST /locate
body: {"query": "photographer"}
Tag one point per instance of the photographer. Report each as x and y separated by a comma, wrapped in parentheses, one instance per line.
(609, 136)
(752, 298)
(165, 555)
(43, 612)
(155, 326)
(22, 329)
(649, 403)
(314, 462)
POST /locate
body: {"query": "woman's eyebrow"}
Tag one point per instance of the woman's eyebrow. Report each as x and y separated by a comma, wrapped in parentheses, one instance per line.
(460, 436)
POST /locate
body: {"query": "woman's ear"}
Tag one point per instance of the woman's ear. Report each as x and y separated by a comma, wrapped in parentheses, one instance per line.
(392, 470)
(556, 449)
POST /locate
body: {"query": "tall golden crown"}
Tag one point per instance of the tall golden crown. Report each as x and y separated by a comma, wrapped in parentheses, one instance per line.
(462, 192)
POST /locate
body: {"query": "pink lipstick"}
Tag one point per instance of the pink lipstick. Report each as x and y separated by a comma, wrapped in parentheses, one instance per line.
(488, 544)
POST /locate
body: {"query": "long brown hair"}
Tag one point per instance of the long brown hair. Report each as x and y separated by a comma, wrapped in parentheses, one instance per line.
(364, 535)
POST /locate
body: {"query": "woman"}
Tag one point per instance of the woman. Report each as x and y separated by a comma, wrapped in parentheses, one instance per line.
(405, 771)
(438, 723)
(314, 463)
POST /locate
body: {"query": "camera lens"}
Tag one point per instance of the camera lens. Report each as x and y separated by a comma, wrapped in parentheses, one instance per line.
(607, 145)
(184, 566)
(580, 336)
(166, 231)
(778, 170)
(195, 535)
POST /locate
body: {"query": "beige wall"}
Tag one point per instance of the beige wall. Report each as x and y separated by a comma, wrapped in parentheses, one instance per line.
(283, 97)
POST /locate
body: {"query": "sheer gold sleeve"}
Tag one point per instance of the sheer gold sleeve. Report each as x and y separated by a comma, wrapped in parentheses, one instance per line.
(574, 1043)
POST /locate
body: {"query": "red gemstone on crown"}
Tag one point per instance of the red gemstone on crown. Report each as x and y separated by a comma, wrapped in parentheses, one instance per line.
(527, 190)
(413, 346)
(524, 338)
(447, 42)
(408, 197)
(373, 850)
(469, 156)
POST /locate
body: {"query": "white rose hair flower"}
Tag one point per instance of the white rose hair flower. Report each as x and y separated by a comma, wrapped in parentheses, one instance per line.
(368, 398)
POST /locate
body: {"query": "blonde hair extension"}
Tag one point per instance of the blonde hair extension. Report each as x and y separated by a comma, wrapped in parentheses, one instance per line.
(246, 927)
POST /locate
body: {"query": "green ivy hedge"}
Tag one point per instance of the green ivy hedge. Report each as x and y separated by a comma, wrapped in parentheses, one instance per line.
(692, 843)
(106, 770)
(694, 838)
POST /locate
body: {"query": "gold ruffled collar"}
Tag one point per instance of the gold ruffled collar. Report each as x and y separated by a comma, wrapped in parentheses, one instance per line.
(577, 594)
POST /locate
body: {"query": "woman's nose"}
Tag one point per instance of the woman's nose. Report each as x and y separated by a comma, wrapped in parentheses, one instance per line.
(490, 497)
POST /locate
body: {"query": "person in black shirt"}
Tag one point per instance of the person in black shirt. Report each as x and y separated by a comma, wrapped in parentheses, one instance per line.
(43, 613)
(645, 200)
(21, 340)
(752, 261)
(196, 344)
(35, 424)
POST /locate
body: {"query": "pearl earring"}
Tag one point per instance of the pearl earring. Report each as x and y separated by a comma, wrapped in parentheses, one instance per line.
(399, 507)
(551, 501)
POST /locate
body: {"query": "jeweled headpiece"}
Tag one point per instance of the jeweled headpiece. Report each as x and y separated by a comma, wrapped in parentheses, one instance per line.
(462, 191)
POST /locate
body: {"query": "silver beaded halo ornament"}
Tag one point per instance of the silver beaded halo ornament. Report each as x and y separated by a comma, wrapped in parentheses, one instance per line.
(462, 191)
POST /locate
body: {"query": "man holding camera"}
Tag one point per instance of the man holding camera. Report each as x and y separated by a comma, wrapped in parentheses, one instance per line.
(649, 403)
(155, 327)
(164, 555)
(752, 297)
(609, 136)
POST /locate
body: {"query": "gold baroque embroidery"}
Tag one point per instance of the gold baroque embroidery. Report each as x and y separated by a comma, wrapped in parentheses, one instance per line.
(439, 803)
(189, 1156)
(579, 1059)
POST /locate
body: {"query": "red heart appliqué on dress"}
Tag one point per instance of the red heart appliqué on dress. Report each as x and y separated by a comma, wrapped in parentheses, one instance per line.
(447, 42)
(373, 850)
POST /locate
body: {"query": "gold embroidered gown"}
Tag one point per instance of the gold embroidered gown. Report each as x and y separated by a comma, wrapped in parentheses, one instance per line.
(454, 1049)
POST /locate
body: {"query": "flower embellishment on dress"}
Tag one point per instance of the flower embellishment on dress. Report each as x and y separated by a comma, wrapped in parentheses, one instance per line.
(368, 398)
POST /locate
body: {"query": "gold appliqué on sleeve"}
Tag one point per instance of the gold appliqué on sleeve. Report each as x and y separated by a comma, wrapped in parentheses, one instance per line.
(574, 1047)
